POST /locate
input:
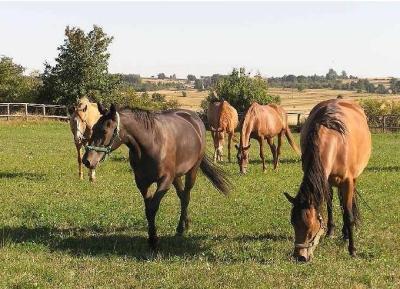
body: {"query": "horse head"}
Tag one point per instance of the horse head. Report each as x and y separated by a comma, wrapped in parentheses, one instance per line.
(308, 224)
(243, 157)
(105, 132)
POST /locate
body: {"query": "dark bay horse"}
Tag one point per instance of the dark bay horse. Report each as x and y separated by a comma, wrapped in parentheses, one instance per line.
(163, 147)
(222, 118)
(336, 147)
(263, 122)
(81, 123)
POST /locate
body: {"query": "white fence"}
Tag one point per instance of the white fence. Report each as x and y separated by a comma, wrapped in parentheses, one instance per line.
(33, 110)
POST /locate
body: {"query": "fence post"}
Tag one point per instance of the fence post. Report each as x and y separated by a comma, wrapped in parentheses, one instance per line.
(384, 123)
(44, 110)
(26, 111)
(8, 111)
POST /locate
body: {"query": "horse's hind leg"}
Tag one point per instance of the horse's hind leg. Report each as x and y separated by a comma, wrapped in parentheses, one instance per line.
(230, 136)
(184, 197)
(80, 167)
(272, 146)
(279, 149)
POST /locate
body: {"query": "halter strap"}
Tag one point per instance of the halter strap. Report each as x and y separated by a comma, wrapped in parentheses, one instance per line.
(107, 149)
(313, 241)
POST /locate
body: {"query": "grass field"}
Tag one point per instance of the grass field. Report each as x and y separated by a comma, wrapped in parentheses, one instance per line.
(58, 232)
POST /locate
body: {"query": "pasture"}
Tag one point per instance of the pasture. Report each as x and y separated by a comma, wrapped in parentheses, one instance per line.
(58, 232)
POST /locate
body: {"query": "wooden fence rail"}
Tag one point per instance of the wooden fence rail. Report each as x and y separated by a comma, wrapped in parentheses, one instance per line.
(29, 110)
(383, 123)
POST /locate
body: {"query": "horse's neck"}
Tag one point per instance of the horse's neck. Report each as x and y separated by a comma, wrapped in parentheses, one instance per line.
(245, 133)
(92, 115)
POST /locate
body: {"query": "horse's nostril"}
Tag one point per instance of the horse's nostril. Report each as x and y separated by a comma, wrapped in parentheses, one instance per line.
(301, 259)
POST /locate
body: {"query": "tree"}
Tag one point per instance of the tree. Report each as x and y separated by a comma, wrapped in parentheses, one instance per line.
(161, 76)
(241, 90)
(344, 75)
(14, 86)
(81, 68)
(191, 77)
(331, 75)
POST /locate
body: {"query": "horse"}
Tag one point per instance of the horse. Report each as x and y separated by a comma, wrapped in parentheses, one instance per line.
(222, 118)
(263, 122)
(163, 147)
(336, 146)
(81, 123)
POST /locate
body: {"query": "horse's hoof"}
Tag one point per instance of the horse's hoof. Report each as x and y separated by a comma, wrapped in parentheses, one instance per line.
(153, 241)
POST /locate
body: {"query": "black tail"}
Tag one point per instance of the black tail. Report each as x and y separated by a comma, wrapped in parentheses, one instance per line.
(216, 175)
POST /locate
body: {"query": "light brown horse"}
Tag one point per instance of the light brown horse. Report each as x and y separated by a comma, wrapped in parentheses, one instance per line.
(336, 147)
(81, 124)
(263, 122)
(222, 117)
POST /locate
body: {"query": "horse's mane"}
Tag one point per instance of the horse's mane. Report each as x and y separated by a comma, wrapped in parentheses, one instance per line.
(314, 181)
(250, 112)
(145, 117)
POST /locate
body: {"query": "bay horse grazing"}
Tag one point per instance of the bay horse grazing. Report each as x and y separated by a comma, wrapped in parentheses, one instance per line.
(263, 122)
(336, 147)
(163, 147)
(222, 118)
(81, 124)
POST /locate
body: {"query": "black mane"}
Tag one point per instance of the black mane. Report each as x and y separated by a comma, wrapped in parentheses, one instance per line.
(142, 116)
(314, 181)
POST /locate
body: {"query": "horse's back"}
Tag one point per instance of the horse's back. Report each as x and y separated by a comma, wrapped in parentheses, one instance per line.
(267, 120)
(345, 151)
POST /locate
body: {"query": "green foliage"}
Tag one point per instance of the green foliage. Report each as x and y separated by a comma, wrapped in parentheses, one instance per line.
(14, 86)
(81, 68)
(241, 91)
(377, 109)
(184, 94)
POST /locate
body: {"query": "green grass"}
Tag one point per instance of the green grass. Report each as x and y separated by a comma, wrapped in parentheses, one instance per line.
(58, 232)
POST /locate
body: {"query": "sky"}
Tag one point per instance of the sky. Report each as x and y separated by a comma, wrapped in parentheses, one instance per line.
(211, 37)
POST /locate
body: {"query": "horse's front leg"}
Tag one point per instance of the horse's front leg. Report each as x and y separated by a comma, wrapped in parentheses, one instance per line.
(152, 203)
(230, 137)
(348, 216)
(271, 144)
(80, 167)
(330, 223)
(262, 156)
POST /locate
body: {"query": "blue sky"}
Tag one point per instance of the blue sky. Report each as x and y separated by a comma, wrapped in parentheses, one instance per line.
(204, 38)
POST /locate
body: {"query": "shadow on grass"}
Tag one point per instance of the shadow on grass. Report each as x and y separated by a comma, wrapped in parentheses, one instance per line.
(383, 169)
(120, 242)
(25, 175)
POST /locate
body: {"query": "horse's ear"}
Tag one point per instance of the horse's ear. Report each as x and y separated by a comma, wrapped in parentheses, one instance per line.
(246, 148)
(102, 110)
(289, 197)
(220, 129)
(212, 128)
(237, 147)
(113, 110)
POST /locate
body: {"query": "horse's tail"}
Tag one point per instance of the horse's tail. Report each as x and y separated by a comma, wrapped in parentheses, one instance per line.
(216, 175)
(290, 139)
